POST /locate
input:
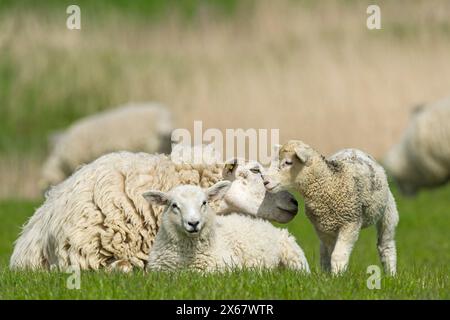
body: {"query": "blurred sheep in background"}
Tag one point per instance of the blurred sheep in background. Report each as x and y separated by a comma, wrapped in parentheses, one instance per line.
(422, 157)
(143, 127)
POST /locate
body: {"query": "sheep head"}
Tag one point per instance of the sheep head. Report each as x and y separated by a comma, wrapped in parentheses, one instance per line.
(248, 195)
(187, 211)
(294, 162)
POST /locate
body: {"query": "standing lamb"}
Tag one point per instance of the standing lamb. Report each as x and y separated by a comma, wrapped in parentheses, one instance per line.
(422, 157)
(147, 126)
(343, 194)
(97, 218)
(191, 236)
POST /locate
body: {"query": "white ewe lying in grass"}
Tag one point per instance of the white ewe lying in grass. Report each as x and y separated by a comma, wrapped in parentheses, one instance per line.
(191, 236)
(343, 194)
(98, 218)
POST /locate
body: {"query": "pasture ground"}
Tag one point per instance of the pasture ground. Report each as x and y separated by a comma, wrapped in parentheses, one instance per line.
(423, 264)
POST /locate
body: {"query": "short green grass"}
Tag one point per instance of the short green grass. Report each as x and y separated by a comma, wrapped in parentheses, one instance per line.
(423, 264)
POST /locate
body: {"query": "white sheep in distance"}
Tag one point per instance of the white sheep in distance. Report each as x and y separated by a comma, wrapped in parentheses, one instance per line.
(97, 218)
(192, 237)
(148, 127)
(342, 194)
(422, 157)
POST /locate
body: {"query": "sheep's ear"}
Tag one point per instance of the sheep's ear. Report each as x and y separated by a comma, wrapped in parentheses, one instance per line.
(218, 190)
(230, 167)
(156, 197)
(302, 154)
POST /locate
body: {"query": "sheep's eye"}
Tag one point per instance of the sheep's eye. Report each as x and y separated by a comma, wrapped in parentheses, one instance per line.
(255, 170)
(204, 203)
(174, 206)
(288, 162)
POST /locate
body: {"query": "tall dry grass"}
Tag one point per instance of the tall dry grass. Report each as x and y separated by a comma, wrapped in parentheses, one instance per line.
(312, 70)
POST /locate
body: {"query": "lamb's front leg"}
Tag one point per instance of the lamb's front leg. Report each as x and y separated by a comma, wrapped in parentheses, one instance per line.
(345, 241)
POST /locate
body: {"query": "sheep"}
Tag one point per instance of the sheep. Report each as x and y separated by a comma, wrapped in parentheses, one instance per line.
(343, 194)
(192, 237)
(97, 218)
(147, 125)
(422, 157)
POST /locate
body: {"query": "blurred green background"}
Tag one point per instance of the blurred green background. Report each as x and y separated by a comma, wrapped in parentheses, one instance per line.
(226, 62)
(27, 116)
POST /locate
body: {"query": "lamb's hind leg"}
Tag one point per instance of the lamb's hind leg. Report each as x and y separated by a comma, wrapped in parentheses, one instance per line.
(386, 237)
(346, 239)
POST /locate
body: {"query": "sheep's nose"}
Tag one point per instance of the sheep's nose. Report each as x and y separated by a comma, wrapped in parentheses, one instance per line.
(266, 183)
(194, 224)
(294, 201)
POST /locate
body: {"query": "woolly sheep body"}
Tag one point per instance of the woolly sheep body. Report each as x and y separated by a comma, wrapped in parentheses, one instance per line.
(224, 243)
(98, 218)
(344, 193)
(422, 157)
(147, 126)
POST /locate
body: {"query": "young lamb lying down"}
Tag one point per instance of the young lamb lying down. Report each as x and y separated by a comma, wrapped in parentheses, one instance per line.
(192, 236)
(343, 194)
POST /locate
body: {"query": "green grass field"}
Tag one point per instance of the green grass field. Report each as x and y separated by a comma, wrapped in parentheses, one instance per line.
(423, 264)
(232, 64)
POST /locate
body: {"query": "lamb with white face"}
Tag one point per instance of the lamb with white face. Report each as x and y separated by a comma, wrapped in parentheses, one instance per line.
(192, 236)
(187, 209)
(248, 195)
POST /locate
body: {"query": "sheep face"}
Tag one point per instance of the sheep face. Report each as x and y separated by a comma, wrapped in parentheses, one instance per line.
(187, 211)
(295, 158)
(248, 194)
